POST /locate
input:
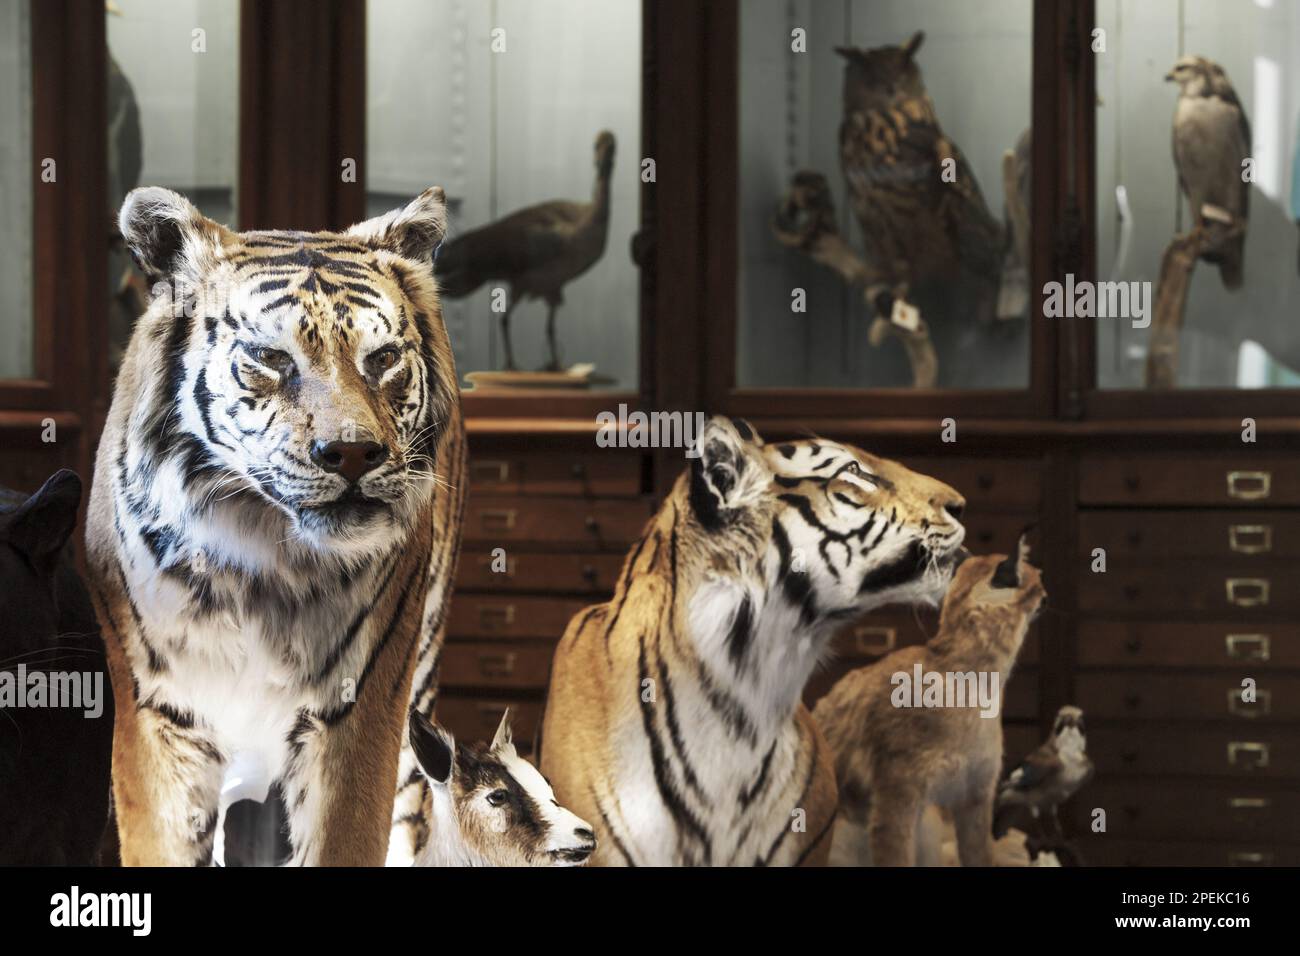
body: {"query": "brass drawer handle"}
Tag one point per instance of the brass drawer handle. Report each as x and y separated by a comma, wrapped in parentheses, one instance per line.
(1248, 858)
(496, 665)
(494, 616)
(1248, 647)
(1249, 485)
(1250, 538)
(490, 471)
(501, 519)
(1262, 706)
(1249, 803)
(884, 640)
(1247, 592)
(1241, 748)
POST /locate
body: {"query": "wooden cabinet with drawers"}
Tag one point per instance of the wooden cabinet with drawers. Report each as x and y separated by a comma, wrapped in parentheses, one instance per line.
(546, 531)
(1188, 657)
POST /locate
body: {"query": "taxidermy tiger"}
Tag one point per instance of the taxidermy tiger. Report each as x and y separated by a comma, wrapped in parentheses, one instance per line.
(892, 760)
(674, 721)
(274, 527)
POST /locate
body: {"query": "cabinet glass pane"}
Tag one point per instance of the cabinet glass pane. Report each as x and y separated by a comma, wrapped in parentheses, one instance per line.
(16, 189)
(1205, 233)
(877, 248)
(528, 115)
(173, 95)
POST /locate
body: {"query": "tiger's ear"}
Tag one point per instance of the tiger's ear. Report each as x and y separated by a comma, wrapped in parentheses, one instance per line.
(413, 231)
(167, 236)
(914, 44)
(722, 471)
(434, 748)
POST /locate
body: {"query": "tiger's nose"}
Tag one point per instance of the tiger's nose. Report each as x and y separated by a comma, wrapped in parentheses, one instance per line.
(351, 459)
(955, 508)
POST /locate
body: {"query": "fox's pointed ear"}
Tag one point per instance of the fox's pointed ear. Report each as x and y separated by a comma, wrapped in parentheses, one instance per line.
(434, 748)
(848, 52)
(914, 44)
(167, 236)
(503, 738)
(721, 469)
(413, 231)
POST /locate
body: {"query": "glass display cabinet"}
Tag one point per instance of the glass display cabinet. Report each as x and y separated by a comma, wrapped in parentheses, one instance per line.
(1005, 242)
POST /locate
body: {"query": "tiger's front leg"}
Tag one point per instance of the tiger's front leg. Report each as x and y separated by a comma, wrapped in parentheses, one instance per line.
(166, 782)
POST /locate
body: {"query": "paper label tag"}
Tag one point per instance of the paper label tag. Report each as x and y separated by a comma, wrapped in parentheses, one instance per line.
(905, 315)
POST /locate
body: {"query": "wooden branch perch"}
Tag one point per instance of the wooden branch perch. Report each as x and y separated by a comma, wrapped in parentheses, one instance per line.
(805, 220)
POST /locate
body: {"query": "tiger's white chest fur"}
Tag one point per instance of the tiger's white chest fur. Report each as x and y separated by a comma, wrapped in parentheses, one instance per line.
(740, 781)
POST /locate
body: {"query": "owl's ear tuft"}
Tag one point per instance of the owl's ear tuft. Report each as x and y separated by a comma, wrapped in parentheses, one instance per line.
(914, 44)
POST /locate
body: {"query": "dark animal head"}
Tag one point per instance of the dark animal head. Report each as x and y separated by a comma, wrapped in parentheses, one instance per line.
(877, 77)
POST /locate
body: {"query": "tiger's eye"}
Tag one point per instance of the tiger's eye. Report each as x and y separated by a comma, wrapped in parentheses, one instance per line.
(381, 361)
(272, 358)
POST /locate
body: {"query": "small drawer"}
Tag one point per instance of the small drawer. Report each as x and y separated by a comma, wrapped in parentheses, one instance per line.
(580, 525)
(590, 474)
(997, 533)
(1019, 739)
(1241, 480)
(1200, 644)
(1247, 750)
(594, 574)
(475, 719)
(1174, 810)
(1199, 587)
(1190, 534)
(988, 483)
(509, 616)
(495, 665)
(1134, 694)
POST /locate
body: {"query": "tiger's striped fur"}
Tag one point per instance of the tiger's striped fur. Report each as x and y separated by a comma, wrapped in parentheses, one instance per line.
(674, 721)
(255, 598)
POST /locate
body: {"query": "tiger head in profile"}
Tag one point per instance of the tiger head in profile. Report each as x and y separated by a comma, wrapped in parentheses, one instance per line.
(673, 721)
(274, 522)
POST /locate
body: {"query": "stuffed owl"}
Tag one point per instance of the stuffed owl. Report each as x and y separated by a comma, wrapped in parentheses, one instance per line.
(922, 213)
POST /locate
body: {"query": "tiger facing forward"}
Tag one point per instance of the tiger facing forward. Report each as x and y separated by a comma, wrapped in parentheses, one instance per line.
(274, 526)
(674, 721)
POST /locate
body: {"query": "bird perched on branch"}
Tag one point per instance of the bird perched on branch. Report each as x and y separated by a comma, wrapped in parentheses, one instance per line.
(1211, 141)
(537, 250)
(922, 213)
(1045, 779)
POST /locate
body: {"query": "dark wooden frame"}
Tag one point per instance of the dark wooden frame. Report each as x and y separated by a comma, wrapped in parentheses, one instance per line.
(69, 313)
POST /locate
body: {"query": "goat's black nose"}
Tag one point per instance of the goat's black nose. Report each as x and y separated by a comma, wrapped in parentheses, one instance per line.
(351, 459)
(584, 833)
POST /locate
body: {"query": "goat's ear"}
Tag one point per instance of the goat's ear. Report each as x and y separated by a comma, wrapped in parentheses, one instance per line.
(167, 236)
(722, 469)
(503, 739)
(413, 231)
(42, 524)
(434, 748)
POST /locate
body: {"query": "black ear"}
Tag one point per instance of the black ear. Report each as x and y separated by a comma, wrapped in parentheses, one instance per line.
(413, 231)
(434, 747)
(42, 524)
(848, 52)
(914, 44)
(719, 469)
(1007, 573)
(166, 235)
